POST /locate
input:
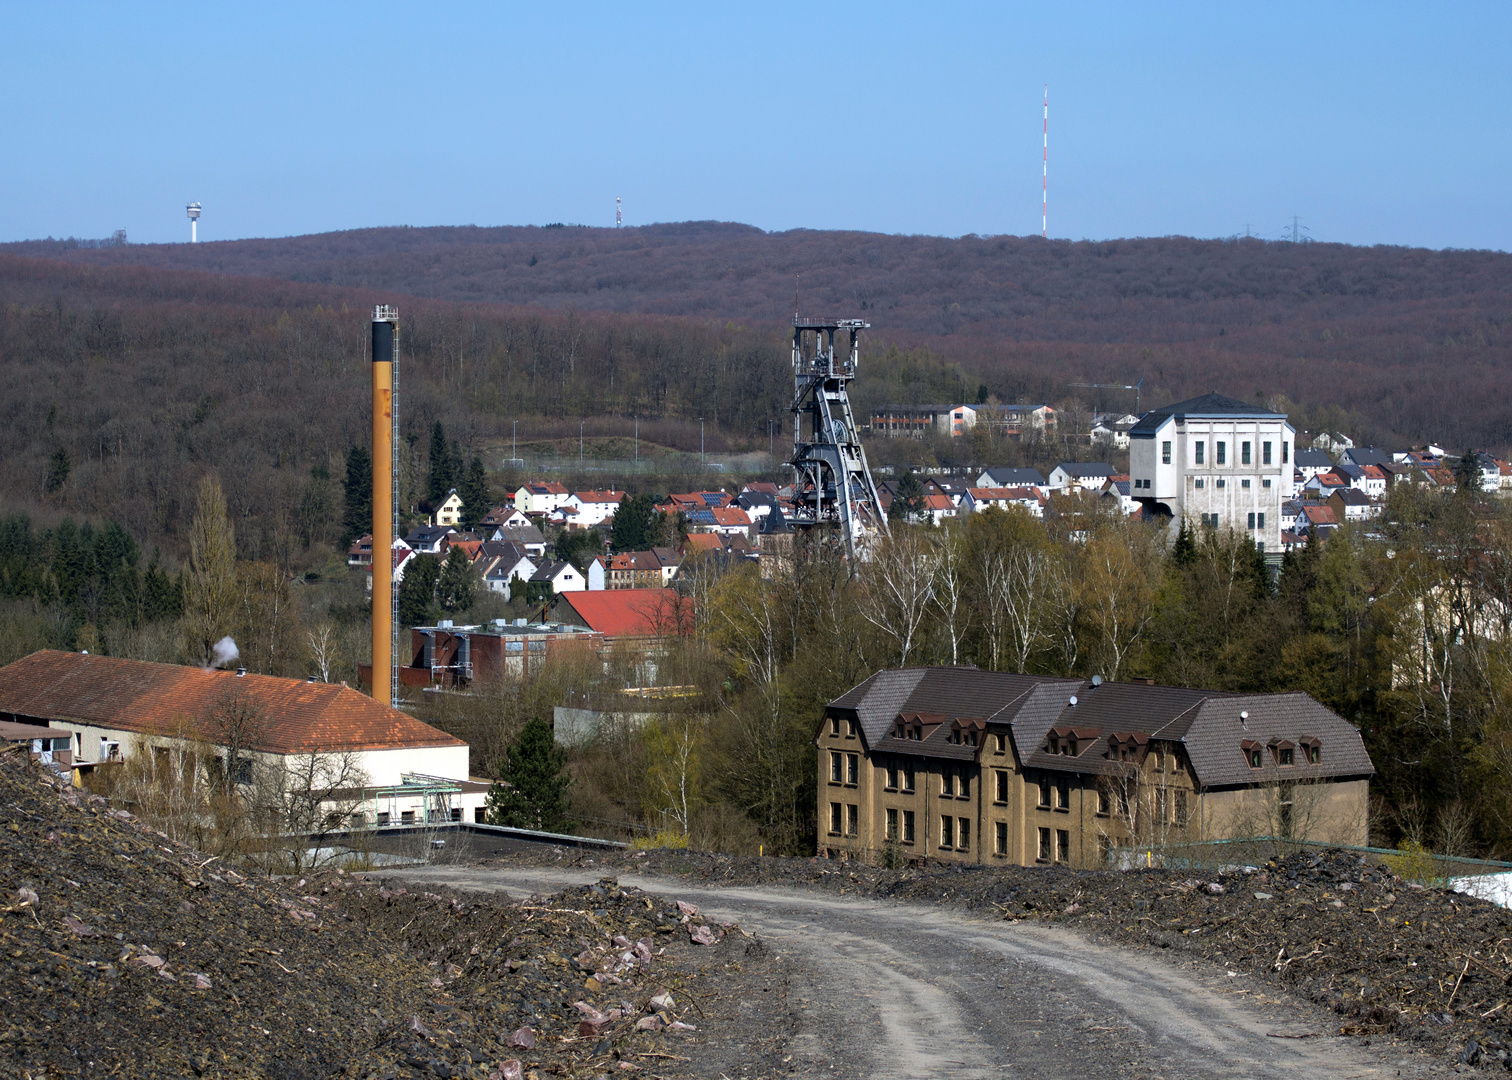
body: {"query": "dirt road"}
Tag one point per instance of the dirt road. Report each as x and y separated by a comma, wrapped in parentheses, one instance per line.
(882, 989)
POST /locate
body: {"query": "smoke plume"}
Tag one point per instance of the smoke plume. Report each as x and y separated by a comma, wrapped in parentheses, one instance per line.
(223, 652)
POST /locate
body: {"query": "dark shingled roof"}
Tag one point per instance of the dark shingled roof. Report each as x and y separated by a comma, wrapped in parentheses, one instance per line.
(1205, 722)
(1212, 405)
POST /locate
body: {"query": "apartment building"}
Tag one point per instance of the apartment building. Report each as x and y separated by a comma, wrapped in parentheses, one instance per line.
(966, 765)
(1222, 462)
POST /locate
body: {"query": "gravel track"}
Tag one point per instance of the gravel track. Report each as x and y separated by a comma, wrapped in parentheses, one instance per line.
(877, 988)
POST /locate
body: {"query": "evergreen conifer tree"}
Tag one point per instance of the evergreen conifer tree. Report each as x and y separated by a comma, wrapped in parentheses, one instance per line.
(475, 493)
(357, 515)
(58, 468)
(531, 792)
(636, 524)
(908, 499)
(417, 592)
(455, 587)
(443, 470)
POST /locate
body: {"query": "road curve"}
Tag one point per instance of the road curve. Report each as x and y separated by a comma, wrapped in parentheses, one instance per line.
(886, 989)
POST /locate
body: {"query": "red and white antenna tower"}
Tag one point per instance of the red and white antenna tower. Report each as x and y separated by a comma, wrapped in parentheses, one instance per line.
(617, 216)
(1045, 178)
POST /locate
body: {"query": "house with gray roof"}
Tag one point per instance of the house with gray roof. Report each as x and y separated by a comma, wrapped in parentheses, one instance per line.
(965, 765)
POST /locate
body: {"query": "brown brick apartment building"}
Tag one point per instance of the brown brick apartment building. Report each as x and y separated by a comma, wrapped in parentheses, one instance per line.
(974, 766)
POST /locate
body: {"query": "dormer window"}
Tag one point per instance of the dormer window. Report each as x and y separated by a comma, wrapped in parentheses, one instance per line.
(1254, 753)
(1284, 756)
(1254, 758)
(1312, 750)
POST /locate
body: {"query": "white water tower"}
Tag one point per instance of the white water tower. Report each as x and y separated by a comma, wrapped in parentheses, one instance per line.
(194, 213)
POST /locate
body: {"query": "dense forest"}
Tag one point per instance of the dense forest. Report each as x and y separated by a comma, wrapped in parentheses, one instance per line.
(1408, 344)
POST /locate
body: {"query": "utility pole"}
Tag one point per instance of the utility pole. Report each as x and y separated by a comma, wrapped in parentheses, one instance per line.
(700, 442)
(514, 444)
(580, 446)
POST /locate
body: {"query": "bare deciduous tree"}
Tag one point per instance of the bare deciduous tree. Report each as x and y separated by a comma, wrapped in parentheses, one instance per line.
(897, 587)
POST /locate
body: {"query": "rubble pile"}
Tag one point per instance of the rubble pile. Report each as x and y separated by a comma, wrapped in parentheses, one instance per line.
(125, 954)
(1426, 965)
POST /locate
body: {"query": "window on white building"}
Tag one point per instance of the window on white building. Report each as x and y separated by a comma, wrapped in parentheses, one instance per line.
(1244, 453)
(1220, 453)
(1165, 452)
(1200, 450)
(1265, 453)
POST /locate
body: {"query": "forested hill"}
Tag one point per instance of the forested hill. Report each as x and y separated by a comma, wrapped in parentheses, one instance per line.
(1410, 344)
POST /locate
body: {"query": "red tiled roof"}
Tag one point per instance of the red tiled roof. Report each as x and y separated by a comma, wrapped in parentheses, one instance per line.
(469, 548)
(729, 515)
(362, 545)
(134, 695)
(937, 502)
(626, 612)
(704, 542)
(599, 496)
(549, 487)
(1321, 515)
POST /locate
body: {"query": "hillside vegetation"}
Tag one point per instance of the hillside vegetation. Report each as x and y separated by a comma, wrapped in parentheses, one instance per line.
(1405, 343)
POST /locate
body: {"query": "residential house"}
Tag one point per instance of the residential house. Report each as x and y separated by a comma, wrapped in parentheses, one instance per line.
(651, 569)
(937, 507)
(1376, 480)
(1332, 442)
(123, 707)
(539, 498)
(590, 508)
(561, 575)
(1007, 478)
(1310, 462)
(1224, 461)
(432, 540)
(527, 536)
(361, 551)
(1317, 517)
(1325, 484)
(959, 765)
(1366, 455)
(1291, 540)
(1025, 498)
(449, 513)
(46, 745)
(1116, 492)
(1112, 429)
(502, 563)
(1086, 475)
(402, 556)
(1351, 504)
(503, 516)
(1354, 475)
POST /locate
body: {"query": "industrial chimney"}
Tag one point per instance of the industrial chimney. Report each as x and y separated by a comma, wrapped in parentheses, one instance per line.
(385, 360)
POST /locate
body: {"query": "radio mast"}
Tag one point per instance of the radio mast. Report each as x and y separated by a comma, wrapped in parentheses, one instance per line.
(1045, 174)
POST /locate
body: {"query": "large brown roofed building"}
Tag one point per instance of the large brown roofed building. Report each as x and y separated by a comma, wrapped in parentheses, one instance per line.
(967, 765)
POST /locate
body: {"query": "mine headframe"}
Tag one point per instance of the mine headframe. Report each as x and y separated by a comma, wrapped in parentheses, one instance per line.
(832, 486)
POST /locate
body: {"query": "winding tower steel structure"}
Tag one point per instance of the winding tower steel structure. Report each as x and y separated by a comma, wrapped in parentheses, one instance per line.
(832, 486)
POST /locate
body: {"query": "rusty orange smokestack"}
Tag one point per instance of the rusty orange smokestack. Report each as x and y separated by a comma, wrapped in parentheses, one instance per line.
(385, 355)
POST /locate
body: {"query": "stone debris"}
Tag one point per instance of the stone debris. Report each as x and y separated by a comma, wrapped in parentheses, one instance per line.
(327, 975)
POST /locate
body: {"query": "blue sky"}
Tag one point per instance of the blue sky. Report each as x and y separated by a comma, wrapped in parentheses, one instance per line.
(1376, 123)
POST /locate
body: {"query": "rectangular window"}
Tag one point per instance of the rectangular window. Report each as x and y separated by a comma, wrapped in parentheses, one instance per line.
(947, 831)
(850, 729)
(1062, 845)
(908, 826)
(1285, 453)
(480, 815)
(406, 817)
(963, 834)
(1245, 483)
(1000, 743)
(1222, 482)
(1265, 453)
(383, 818)
(1266, 482)
(1199, 481)
(1260, 520)
(1165, 452)
(456, 814)
(834, 819)
(1286, 756)
(1252, 521)
(963, 789)
(892, 823)
(835, 767)
(1104, 803)
(1201, 452)
(947, 781)
(835, 726)
(908, 777)
(1000, 778)
(1244, 453)
(852, 820)
(1181, 809)
(1044, 845)
(1044, 793)
(1220, 453)
(1063, 795)
(1160, 805)
(1000, 838)
(852, 768)
(892, 776)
